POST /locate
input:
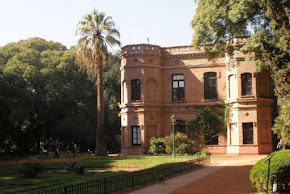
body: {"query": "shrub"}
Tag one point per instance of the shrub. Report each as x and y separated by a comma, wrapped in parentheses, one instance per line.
(280, 170)
(182, 143)
(30, 170)
(209, 123)
(203, 153)
(157, 146)
(73, 166)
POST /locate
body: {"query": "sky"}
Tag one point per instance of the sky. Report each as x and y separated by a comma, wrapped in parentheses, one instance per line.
(164, 22)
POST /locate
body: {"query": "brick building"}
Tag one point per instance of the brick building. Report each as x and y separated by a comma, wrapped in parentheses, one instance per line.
(159, 82)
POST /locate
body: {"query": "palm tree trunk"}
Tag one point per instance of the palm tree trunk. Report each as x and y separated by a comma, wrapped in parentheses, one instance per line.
(100, 136)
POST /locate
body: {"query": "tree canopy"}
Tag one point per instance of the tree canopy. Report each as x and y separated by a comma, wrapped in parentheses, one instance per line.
(209, 123)
(282, 124)
(44, 97)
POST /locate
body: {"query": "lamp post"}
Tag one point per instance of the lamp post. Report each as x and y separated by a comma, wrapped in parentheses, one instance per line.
(173, 145)
(269, 165)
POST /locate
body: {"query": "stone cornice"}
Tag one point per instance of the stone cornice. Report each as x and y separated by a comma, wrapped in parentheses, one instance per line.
(189, 55)
(140, 54)
(194, 66)
(171, 105)
(173, 66)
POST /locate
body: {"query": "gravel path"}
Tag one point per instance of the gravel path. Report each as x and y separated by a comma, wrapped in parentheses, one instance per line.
(225, 175)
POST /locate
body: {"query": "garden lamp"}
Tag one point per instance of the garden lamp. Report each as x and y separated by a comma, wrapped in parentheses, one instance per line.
(173, 144)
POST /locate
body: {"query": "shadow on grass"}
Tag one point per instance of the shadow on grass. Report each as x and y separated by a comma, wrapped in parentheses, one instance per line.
(55, 176)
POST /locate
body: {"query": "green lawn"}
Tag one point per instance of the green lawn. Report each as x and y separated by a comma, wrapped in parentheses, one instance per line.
(97, 167)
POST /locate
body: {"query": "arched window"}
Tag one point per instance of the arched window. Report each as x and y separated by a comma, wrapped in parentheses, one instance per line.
(135, 89)
(210, 86)
(178, 87)
(180, 126)
(246, 84)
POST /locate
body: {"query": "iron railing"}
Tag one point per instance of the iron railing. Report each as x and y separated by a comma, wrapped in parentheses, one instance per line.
(129, 180)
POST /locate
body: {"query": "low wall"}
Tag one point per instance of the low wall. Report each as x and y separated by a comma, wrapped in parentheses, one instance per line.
(216, 149)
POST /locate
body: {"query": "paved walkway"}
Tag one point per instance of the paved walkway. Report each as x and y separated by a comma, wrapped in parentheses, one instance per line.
(225, 175)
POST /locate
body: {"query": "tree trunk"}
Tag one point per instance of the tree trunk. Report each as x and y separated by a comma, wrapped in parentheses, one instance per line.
(100, 136)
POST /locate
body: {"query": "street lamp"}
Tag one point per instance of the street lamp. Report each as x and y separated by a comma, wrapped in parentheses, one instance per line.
(173, 145)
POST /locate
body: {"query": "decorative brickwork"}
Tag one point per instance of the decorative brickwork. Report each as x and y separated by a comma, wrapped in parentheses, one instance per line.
(155, 67)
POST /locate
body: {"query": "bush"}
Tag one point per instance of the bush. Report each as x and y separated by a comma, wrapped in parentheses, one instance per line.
(279, 171)
(203, 153)
(282, 124)
(182, 143)
(30, 170)
(157, 146)
(74, 167)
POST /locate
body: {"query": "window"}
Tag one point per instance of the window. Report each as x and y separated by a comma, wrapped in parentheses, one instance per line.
(180, 126)
(123, 136)
(247, 133)
(178, 88)
(210, 86)
(246, 84)
(212, 140)
(230, 85)
(136, 136)
(135, 89)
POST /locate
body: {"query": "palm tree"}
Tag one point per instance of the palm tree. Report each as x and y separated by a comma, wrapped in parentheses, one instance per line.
(96, 33)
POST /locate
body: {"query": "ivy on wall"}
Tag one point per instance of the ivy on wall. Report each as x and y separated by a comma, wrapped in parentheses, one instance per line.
(210, 121)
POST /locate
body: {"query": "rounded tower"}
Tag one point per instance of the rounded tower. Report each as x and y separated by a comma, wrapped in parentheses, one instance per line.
(248, 95)
(140, 106)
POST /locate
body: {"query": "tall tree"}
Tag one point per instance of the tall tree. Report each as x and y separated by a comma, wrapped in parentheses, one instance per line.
(96, 33)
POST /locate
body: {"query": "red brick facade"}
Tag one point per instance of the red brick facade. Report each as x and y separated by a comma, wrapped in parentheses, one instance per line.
(150, 115)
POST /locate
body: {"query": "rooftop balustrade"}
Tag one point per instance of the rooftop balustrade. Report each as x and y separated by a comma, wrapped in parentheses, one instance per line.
(141, 48)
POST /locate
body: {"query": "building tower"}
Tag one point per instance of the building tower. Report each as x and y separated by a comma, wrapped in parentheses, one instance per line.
(250, 102)
(141, 96)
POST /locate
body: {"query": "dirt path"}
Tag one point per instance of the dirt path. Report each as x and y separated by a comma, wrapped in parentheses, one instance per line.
(232, 179)
(225, 175)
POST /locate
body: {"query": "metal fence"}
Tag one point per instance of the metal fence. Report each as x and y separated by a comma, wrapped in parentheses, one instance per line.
(129, 180)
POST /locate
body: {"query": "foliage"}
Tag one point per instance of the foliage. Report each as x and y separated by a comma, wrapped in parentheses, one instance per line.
(30, 170)
(209, 123)
(41, 97)
(280, 170)
(227, 111)
(157, 146)
(182, 143)
(45, 99)
(203, 153)
(96, 33)
(267, 23)
(282, 124)
(73, 166)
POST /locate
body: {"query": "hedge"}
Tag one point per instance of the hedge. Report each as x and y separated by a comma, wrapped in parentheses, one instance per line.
(279, 172)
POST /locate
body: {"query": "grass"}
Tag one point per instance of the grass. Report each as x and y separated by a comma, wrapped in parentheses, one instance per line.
(97, 167)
